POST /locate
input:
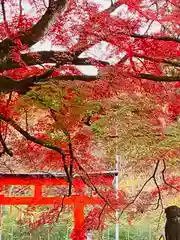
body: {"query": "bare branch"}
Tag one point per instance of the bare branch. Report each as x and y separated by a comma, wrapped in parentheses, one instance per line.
(158, 78)
(164, 179)
(113, 6)
(102, 210)
(159, 201)
(142, 188)
(163, 38)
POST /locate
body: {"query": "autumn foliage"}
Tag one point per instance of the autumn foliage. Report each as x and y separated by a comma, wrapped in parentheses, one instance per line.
(50, 106)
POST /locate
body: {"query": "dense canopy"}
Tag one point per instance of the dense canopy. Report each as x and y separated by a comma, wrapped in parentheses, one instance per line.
(81, 82)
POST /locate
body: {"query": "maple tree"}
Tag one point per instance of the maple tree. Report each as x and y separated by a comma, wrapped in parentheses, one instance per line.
(49, 109)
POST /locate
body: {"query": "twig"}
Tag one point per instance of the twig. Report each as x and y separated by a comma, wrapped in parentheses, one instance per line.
(140, 191)
(70, 168)
(164, 179)
(90, 184)
(100, 216)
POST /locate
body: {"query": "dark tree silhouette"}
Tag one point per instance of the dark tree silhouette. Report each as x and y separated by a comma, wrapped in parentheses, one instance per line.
(172, 227)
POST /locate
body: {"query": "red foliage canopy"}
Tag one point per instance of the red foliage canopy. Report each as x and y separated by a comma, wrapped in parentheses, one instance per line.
(45, 104)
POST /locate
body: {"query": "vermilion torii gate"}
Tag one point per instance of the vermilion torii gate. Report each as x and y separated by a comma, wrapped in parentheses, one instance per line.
(39, 180)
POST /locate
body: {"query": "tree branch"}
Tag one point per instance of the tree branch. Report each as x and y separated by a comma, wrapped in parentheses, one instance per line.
(33, 35)
(172, 63)
(23, 86)
(158, 78)
(84, 78)
(161, 38)
(67, 134)
(29, 137)
(164, 178)
(153, 176)
(87, 78)
(113, 7)
(8, 85)
(38, 141)
(41, 57)
(6, 149)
